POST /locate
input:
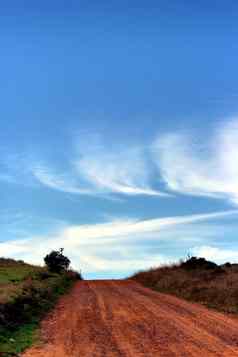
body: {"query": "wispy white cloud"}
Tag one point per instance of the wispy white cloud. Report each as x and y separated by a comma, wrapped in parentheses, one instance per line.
(106, 232)
(184, 165)
(121, 171)
(217, 254)
(110, 246)
(96, 170)
(197, 169)
(58, 181)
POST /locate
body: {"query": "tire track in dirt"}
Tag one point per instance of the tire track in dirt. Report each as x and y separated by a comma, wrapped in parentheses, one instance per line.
(123, 319)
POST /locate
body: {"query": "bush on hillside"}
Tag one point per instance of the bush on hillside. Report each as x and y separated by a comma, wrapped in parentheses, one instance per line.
(76, 274)
(198, 263)
(56, 261)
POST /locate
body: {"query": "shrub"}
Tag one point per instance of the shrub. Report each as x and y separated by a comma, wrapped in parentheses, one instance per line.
(56, 261)
(75, 274)
(198, 263)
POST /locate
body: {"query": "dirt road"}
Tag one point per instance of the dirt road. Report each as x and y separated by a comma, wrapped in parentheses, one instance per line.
(121, 318)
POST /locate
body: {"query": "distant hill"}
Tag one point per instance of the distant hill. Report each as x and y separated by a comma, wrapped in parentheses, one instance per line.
(197, 280)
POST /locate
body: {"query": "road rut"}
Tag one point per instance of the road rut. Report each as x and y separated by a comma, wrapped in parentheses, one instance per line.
(114, 318)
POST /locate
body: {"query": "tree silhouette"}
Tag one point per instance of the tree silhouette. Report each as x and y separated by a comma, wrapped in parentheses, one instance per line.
(56, 261)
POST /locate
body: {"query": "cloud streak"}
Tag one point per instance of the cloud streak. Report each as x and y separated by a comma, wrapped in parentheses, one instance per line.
(97, 170)
(220, 255)
(209, 170)
(58, 181)
(124, 172)
(111, 246)
(183, 166)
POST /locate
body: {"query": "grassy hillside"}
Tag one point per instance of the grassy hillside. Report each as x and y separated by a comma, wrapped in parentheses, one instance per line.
(26, 293)
(196, 280)
(12, 276)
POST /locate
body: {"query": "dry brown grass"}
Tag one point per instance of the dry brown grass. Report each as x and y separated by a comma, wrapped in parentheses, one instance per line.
(216, 288)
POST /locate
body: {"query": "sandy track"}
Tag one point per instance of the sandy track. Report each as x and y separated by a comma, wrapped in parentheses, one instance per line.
(121, 318)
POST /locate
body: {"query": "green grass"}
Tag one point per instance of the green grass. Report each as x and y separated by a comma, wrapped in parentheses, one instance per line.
(26, 294)
(12, 276)
(13, 343)
(16, 274)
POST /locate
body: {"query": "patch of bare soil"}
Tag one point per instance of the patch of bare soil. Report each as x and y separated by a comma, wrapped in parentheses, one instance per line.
(121, 318)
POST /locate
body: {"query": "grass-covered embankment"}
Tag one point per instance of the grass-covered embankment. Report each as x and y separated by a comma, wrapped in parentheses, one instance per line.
(26, 293)
(196, 280)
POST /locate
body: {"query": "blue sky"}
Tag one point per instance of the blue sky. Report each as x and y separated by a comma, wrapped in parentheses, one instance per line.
(119, 132)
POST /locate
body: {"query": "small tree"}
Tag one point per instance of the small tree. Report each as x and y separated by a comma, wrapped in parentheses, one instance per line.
(56, 261)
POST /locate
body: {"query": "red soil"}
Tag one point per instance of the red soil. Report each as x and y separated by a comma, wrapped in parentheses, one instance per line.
(121, 318)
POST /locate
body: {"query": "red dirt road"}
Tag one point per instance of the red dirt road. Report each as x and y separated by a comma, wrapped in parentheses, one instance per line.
(121, 318)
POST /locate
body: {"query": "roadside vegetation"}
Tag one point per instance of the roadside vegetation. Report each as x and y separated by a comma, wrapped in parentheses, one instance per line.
(27, 292)
(196, 280)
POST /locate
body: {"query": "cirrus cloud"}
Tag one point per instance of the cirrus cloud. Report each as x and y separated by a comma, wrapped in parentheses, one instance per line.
(118, 245)
(200, 169)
